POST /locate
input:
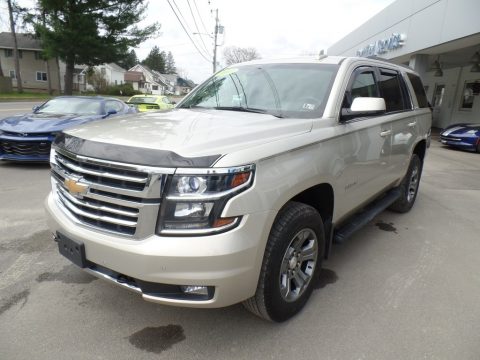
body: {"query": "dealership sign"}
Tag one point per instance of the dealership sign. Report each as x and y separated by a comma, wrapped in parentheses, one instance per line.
(382, 46)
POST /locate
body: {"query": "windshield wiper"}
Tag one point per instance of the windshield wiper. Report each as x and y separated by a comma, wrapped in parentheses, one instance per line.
(247, 109)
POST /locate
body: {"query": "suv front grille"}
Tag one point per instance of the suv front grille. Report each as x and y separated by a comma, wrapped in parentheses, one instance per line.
(113, 197)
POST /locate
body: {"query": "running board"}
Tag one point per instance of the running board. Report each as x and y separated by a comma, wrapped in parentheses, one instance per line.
(362, 218)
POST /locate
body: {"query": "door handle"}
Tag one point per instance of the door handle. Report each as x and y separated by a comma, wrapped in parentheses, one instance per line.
(412, 124)
(385, 133)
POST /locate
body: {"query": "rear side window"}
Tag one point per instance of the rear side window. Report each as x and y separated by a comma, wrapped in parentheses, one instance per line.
(390, 85)
(419, 90)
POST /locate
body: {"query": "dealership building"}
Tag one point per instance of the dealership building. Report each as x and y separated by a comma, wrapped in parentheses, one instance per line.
(440, 39)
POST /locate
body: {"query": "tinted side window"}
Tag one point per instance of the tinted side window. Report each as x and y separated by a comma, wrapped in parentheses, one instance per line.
(363, 85)
(391, 91)
(113, 105)
(419, 90)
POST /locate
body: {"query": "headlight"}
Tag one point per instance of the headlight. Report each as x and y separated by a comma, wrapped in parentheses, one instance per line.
(196, 198)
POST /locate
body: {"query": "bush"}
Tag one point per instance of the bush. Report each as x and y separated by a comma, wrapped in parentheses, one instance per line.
(123, 89)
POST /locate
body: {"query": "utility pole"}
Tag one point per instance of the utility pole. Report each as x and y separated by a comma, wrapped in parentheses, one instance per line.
(15, 48)
(215, 43)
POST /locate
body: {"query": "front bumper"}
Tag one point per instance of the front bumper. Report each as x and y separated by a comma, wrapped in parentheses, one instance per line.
(229, 262)
(460, 142)
(28, 148)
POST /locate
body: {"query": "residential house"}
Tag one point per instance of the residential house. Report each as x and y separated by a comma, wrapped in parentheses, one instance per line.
(178, 85)
(36, 73)
(136, 78)
(154, 83)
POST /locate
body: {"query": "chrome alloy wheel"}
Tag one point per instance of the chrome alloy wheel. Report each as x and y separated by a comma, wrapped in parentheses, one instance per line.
(413, 184)
(298, 264)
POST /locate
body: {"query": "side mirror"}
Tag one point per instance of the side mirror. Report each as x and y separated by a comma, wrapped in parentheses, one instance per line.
(35, 108)
(364, 106)
(110, 112)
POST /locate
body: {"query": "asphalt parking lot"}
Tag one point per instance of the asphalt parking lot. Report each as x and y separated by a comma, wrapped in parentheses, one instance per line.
(404, 287)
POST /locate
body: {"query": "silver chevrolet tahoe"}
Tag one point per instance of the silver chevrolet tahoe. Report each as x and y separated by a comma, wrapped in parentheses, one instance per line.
(238, 193)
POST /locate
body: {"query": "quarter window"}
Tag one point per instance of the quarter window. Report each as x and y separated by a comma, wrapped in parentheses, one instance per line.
(419, 90)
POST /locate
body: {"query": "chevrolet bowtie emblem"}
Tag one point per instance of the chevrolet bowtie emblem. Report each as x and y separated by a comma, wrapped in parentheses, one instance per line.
(74, 186)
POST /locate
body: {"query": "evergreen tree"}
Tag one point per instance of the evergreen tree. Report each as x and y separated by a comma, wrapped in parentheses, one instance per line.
(90, 32)
(170, 64)
(129, 60)
(155, 60)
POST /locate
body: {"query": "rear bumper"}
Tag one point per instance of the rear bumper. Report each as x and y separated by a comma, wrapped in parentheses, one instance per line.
(229, 263)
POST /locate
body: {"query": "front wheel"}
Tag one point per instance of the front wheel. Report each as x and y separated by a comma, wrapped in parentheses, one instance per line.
(291, 263)
(409, 186)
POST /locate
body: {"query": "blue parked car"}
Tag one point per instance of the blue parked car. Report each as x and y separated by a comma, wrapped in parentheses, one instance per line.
(462, 136)
(28, 137)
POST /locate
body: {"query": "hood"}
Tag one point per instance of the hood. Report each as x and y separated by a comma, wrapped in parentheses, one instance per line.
(458, 129)
(42, 123)
(193, 132)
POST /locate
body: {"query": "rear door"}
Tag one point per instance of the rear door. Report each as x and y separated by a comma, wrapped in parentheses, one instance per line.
(400, 114)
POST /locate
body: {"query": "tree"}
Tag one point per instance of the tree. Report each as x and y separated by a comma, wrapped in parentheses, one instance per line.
(234, 54)
(90, 32)
(15, 48)
(129, 60)
(97, 80)
(170, 64)
(155, 60)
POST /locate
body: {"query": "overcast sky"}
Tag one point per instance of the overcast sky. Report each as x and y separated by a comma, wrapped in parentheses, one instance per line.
(276, 28)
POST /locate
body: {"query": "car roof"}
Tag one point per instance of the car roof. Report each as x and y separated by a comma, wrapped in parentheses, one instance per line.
(324, 59)
(85, 97)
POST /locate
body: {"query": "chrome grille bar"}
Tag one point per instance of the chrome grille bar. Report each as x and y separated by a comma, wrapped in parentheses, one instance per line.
(106, 174)
(115, 197)
(103, 208)
(108, 219)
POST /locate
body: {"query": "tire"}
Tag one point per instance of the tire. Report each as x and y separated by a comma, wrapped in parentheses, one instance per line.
(293, 255)
(409, 186)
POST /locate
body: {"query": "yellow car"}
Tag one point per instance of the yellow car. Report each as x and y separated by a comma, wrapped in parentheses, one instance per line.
(150, 102)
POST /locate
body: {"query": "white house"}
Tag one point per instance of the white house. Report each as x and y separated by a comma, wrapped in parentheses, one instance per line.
(153, 83)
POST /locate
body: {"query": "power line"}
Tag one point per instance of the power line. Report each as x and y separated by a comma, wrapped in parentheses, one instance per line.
(200, 17)
(186, 32)
(186, 23)
(198, 30)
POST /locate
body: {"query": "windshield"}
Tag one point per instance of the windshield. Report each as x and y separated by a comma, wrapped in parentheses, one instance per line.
(77, 106)
(283, 90)
(143, 99)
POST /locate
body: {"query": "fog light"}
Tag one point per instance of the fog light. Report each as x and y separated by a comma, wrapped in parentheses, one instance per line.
(194, 289)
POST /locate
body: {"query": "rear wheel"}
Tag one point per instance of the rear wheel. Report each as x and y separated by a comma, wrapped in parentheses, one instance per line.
(409, 186)
(291, 263)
